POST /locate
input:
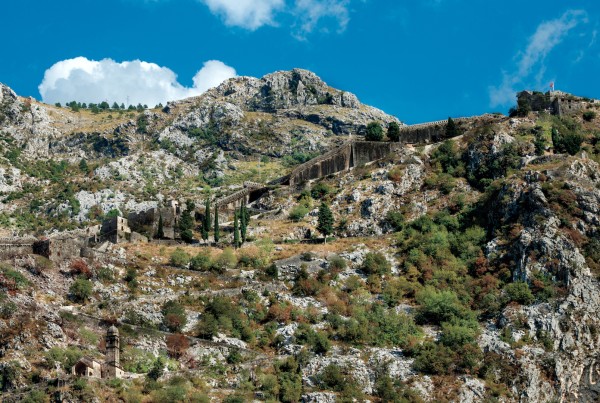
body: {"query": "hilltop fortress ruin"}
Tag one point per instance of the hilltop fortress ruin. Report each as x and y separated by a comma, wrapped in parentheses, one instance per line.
(555, 102)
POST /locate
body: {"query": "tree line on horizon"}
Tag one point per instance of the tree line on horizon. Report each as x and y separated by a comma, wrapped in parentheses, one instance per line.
(104, 106)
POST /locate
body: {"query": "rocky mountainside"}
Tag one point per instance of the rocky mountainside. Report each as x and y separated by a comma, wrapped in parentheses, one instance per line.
(465, 270)
(245, 129)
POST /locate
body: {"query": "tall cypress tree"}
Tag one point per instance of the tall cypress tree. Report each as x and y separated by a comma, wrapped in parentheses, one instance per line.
(203, 231)
(186, 222)
(244, 220)
(217, 235)
(236, 229)
(207, 214)
(160, 232)
(325, 221)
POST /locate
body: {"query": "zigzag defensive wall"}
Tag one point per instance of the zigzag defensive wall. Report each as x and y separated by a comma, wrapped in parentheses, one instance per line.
(350, 154)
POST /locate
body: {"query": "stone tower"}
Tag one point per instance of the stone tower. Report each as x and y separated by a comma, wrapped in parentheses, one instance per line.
(112, 363)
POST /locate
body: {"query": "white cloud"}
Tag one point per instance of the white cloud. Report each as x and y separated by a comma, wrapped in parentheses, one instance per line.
(531, 62)
(249, 14)
(310, 12)
(88, 81)
(253, 14)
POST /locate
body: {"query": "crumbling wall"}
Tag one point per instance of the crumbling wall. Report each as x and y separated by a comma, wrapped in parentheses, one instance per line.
(570, 105)
(556, 102)
(115, 230)
(146, 222)
(66, 247)
(11, 247)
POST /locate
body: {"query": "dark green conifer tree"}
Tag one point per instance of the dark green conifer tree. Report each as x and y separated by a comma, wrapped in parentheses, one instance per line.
(244, 220)
(217, 234)
(451, 129)
(393, 131)
(160, 232)
(236, 229)
(325, 221)
(207, 221)
(186, 222)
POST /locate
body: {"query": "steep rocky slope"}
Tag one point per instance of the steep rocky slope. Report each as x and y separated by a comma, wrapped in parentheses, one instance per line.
(460, 271)
(238, 131)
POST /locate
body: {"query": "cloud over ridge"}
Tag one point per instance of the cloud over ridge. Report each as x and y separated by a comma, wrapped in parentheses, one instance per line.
(253, 14)
(249, 14)
(133, 82)
(530, 63)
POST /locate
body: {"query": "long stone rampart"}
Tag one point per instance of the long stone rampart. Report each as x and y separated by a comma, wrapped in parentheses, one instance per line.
(433, 132)
(10, 247)
(351, 154)
(240, 194)
(336, 160)
(348, 155)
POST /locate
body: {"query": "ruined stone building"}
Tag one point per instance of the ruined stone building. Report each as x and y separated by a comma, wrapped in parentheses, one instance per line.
(146, 222)
(555, 102)
(111, 368)
(115, 230)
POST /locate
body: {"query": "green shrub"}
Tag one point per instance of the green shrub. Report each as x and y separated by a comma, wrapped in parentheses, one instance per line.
(518, 292)
(136, 360)
(396, 174)
(269, 384)
(298, 212)
(235, 398)
(13, 277)
(67, 357)
(201, 262)
(81, 290)
(227, 260)
(395, 219)
(395, 289)
(440, 306)
(174, 316)
(566, 136)
(337, 263)
(376, 263)
(588, 116)
(448, 158)
(318, 341)
(180, 258)
(435, 359)
(451, 128)
(35, 396)
(207, 326)
(332, 378)
(234, 356)
(9, 374)
(106, 275)
(157, 368)
(458, 334)
(272, 272)
(321, 190)
(374, 132)
(7, 309)
(374, 325)
(80, 384)
(131, 278)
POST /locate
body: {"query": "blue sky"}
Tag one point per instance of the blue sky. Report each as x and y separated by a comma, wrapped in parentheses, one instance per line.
(419, 60)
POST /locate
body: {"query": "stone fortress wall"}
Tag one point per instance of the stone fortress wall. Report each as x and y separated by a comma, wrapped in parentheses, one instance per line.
(350, 154)
(556, 102)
